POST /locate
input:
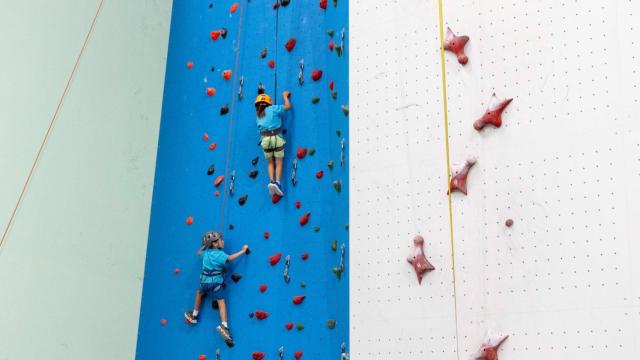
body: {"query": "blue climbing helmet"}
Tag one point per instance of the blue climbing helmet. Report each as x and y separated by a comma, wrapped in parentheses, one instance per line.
(210, 237)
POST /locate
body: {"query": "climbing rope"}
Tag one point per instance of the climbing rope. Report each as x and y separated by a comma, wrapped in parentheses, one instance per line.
(54, 117)
(446, 141)
(226, 194)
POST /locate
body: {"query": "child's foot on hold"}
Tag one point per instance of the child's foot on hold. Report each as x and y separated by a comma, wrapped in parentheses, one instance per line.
(226, 335)
(190, 317)
(278, 189)
(272, 188)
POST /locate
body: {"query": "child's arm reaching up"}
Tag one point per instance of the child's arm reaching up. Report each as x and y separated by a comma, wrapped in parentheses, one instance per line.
(201, 250)
(237, 255)
(287, 103)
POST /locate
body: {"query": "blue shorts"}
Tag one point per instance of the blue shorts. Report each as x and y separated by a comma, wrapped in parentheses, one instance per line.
(214, 289)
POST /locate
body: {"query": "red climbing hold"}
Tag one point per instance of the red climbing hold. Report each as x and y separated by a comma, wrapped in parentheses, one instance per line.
(261, 315)
(205, 137)
(275, 198)
(276, 4)
(275, 258)
(298, 204)
(288, 326)
(213, 146)
(456, 45)
(226, 74)
(332, 44)
(215, 34)
(417, 258)
(233, 8)
(304, 219)
(211, 91)
(176, 271)
(331, 85)
(319, 174)
(459, 178)
(219, 180)
(263, 288)
(509, 222)
(493, 115)
(323, 4)
(163, 322)
(217, 193)
(189, 220)
(298, 299)
(316, 75)
(271, 64)
(202, 357)
(489, 350)
(266, 235)
(301, 152)
(304, 256)
(290, 44)
(258, 355)
(297, 355)
(189, 65)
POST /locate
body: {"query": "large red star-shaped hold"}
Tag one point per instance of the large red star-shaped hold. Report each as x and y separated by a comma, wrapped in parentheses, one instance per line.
(456, 44)
(489, 349)
(493, 115)
(459, 179)
(417, 258)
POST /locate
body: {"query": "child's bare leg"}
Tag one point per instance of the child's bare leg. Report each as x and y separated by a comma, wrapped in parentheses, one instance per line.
(278, 166)
(222, 307)
(270, 168)
(196, 306)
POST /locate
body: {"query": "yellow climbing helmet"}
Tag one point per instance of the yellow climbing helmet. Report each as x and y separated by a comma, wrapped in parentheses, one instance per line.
(263, 98)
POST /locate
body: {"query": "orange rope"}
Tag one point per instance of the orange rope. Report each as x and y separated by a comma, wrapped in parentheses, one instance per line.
(51, 123)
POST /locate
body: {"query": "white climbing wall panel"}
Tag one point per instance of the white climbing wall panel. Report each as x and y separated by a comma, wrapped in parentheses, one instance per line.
(565, 166)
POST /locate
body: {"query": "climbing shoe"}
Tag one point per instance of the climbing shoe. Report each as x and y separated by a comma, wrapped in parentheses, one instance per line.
(277, 189)
(190, 318)
(226, 335)
(272, 188)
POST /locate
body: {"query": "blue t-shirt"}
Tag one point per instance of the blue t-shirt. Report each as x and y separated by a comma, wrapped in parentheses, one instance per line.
(214, 259)
(272, 118)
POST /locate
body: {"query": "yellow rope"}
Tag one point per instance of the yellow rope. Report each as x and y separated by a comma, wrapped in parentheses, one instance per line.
(446, 141)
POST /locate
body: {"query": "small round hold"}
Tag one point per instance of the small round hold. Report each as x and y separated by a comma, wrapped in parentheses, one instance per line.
(163, 322)
(189, 65)
(243, 199)
(224, 109)
(231, 227)
(251, 315)
(509, 222)
(210, 5)
(253, 174)
(202, 357)
(176, 271)
(189, 220)
(254, 162)
(211, 170)
(236, 277)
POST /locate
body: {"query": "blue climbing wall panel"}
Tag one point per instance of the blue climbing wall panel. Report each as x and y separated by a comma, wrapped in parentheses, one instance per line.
(183, 189)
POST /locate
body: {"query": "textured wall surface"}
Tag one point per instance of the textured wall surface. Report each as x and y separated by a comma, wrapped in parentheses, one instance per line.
(183, 189)
(564, 167)
(72, 264)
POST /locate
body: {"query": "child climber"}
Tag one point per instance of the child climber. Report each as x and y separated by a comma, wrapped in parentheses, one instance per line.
(269, 120)
(212, 280)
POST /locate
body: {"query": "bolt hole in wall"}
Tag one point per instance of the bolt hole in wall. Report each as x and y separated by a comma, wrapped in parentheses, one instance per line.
(288, 297)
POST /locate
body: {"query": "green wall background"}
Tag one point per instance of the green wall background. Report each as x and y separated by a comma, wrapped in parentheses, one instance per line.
(71, 268)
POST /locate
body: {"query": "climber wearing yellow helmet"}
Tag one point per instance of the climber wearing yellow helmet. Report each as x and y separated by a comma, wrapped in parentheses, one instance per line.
(269, 121)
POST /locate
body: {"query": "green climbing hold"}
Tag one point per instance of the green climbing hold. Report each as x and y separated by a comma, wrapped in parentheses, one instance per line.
(331, 324)
(300, 327)
(337, 185)
(338, 50)
(316, 228)
(330, 32)
(315, 100)
(312, 151)
(335, 3)
(345, 110)
(338, 272)
(334, 95)
(334, 245)
(338, 133)
(346, 226)
(330, 165)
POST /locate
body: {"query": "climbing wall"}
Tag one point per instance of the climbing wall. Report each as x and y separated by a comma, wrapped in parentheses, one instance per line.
(200, 141)
(563, 167)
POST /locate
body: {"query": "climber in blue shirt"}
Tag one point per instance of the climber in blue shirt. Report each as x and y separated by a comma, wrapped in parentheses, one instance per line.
(214, 261)
(269, 121)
